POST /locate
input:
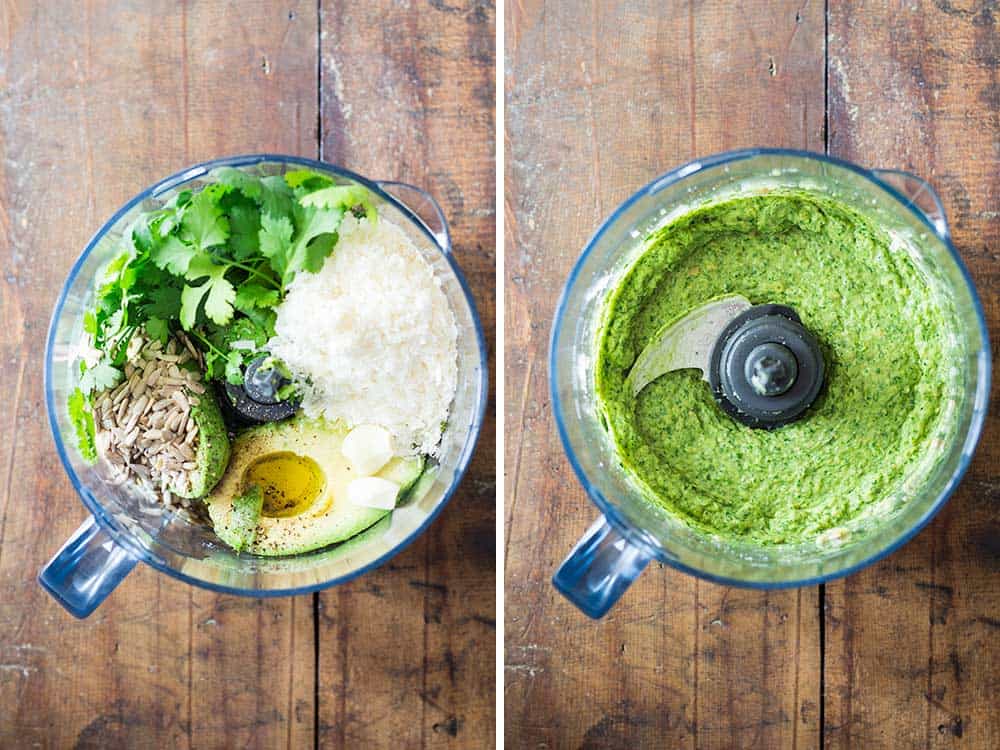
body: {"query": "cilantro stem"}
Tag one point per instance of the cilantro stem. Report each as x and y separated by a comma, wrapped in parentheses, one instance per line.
(255, 272)
(206, 342)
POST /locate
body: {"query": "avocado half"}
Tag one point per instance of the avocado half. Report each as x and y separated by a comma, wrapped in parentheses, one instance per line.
(212, 454)
(241, 519)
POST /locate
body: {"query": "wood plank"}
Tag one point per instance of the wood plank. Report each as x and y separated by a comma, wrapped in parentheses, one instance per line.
(97, 100)
(251, 86)
(912, 650)
(407, 652)
(601, 99)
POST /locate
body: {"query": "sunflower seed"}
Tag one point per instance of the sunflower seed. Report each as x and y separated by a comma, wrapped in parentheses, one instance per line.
(145, 429)
(162, 404)
(140, 404)
(133, 422)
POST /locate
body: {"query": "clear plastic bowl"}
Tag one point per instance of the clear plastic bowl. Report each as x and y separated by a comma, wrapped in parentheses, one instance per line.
(632, 531)
(125, 529)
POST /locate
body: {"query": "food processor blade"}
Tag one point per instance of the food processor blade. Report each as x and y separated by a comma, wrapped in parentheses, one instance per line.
(686, 343)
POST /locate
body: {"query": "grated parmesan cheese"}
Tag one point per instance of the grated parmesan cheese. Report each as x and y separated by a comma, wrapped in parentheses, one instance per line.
(372, 337)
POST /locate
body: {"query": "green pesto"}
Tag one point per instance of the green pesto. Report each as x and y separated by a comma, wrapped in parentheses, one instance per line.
(885, 340)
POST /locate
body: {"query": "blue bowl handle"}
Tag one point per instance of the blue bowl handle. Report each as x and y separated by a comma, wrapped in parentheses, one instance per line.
(87, 568)
(424, 207)
(599, 569)
(919, 194)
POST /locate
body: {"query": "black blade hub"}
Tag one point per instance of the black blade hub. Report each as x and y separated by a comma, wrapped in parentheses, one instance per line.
(766, 368)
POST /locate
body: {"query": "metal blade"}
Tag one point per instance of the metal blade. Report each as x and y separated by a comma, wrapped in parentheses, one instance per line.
(685, 343)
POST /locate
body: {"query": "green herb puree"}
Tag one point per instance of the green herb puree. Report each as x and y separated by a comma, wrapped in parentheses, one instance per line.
(885, 338)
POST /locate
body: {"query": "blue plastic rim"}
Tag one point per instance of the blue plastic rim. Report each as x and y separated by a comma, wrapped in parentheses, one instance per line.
(123, 538)
(616, 518)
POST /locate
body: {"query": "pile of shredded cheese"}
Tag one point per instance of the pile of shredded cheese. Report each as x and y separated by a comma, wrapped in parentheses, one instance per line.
(372, 338)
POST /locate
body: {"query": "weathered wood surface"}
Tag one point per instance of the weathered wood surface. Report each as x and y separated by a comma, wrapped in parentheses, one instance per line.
(601, 98)
(913, 644)
(420, 669)
(97, 100)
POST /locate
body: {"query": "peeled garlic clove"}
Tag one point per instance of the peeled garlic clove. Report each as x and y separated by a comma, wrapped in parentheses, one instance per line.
(367, 448)
(373, 492)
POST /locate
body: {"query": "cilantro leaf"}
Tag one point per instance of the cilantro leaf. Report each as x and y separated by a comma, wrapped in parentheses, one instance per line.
(163, 223)
(244, 221)
(158, 328)
(191, 297)
(342, 196)
(263, 320)
(162, 302)
(317, 251)
(217, 292)
(234, 367)
(203, 223)
(100, 377)
(306, 178)
(246, 183)
(219, 302)
(142, 235)
(252, 295)
(173, 255)
(83, 423)
(312, 222)
(276, 197)
(276, 241)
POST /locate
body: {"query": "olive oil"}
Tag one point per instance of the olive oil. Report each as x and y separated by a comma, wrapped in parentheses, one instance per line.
(291, 483)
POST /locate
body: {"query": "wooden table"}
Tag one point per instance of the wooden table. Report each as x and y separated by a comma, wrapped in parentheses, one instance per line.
(99, 100)
(601, 98)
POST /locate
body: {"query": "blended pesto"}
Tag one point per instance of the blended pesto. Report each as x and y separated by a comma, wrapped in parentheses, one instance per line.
(885, 340)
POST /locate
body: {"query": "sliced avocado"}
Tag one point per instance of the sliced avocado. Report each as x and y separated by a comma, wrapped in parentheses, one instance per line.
(213, 451)
(240, 524)
(299, 513)
(405, 473)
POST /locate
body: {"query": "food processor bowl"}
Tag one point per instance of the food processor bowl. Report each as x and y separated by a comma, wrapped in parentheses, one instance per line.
(632, 530)
(125, 528)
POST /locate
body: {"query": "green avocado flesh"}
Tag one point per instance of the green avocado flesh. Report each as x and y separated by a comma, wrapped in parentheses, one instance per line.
(238, 526)
(877, 428)
(213, 445)
(285, 489)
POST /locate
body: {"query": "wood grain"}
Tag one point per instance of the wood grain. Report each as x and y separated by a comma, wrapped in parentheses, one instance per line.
(98, 100)
(912, 643)
(408, 652)
(601, 98)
